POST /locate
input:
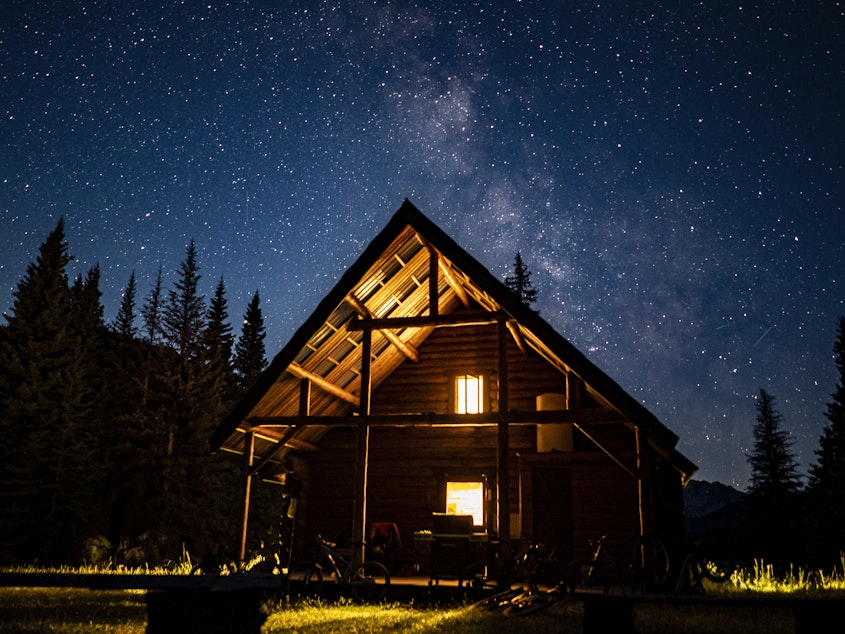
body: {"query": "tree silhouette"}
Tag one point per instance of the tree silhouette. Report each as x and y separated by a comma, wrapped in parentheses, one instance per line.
(124, 324)
(49, 384)
(827, 475)
(773, 494)
(250, 354)
(520, 281)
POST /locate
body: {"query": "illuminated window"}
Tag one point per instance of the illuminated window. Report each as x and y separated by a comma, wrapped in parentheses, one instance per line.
(466, 498)
(469, 394)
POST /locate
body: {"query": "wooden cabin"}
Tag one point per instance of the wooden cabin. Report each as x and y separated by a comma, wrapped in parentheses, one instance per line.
(422, 387)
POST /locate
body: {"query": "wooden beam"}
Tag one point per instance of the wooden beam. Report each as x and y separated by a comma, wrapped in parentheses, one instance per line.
(408, 349)
(453, 283)
(359, 506)
(304, 411)
(644, 483)
(281, 443)
(590, 416)
(433, 283)
(468, 318)
(503, 483)
(305, 397)
(606, 451)
(249, 448)
(327, 386)
(517, 335)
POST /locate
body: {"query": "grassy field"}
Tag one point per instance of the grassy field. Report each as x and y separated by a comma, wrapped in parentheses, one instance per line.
(69, 611)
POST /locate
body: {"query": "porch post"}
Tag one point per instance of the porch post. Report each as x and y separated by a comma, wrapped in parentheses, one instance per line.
(359, 507)
(644, 483)
(249, 454)
(503, 446)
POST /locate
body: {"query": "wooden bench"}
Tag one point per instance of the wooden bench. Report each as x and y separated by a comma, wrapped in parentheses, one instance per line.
(605, 613)
(175, 603)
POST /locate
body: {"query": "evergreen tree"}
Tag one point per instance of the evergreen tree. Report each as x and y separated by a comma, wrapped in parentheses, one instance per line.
(151, 313)
(218, 335)
(184, 311)
(250, 353)
(520, 281)
(774, 470)
(827, 475)
(48, 387)
(124, 324)
(773, 494)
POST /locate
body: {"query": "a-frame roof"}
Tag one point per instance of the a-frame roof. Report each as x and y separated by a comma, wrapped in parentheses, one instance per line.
(394, 278)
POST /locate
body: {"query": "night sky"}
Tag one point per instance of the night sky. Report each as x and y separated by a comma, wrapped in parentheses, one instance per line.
(672, 172)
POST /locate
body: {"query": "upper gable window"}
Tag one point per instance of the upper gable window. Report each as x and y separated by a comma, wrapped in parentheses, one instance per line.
(469, 394)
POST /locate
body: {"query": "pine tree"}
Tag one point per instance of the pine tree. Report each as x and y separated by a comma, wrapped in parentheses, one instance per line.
(218, 335)
(774, 490)
(151, 313)
(124, 324)
(827, 475)
(250, 353)
(48, 394)
(184, 311)
(520, 281)
(774, 470)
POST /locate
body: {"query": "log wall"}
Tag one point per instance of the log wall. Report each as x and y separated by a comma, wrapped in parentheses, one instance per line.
(408, 466)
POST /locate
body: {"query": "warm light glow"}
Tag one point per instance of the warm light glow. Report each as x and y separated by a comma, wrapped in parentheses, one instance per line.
(466, 498)
(469, 393)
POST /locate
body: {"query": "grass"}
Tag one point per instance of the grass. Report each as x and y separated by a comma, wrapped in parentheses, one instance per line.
(71, 610)
(76, 611)
(68, 610)
(316, 617)
(761, 578)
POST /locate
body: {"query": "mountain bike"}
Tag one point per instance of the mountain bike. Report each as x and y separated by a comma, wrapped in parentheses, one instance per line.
(367, 582)
(651, 567)
(535, 564)
(595, 572)
(521, 601)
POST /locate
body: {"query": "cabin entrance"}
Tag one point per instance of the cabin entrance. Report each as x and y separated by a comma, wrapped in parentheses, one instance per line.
(546, 502)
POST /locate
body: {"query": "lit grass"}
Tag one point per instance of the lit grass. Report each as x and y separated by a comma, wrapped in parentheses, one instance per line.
(762, 578)
(72, 610)
(315, 617)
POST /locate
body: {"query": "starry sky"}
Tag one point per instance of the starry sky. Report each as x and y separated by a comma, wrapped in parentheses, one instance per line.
(671, 172)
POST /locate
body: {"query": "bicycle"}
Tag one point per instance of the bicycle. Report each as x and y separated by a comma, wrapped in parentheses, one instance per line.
(598, 571)
(534, 564)
(651, 568)
(519, 601)
(367, 582)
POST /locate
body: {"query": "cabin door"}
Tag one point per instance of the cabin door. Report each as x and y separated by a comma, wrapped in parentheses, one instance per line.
(552, 512)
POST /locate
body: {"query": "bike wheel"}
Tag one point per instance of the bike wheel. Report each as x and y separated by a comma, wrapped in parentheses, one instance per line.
(530, 603)
(651, 568)
(550, 573)
(369, 582)
(497, 601)
(586, 574)
(305, 580)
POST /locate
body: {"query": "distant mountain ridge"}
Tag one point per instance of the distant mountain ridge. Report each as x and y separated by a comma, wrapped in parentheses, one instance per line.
(702, 497)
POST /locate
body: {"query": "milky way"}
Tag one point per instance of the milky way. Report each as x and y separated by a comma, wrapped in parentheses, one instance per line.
(672, 173)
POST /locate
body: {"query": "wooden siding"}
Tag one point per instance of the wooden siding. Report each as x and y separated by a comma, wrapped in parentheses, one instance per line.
(424, 386)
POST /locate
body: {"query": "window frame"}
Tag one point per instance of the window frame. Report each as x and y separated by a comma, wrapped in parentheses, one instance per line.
(483, 395)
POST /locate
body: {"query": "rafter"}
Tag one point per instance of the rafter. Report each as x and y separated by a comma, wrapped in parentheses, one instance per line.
(327, 386)
(453, 282)
(408, 349)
